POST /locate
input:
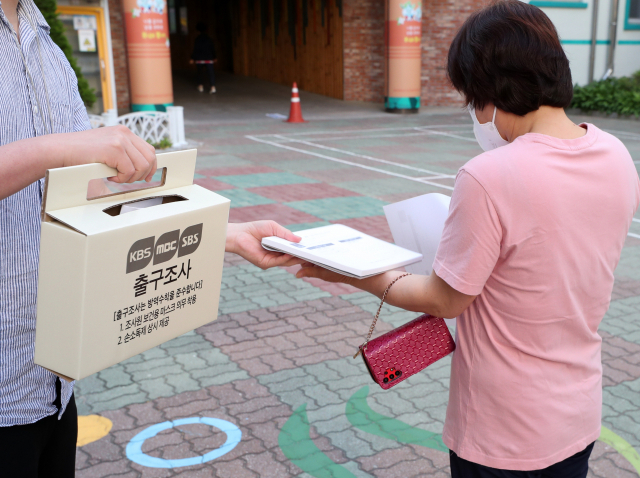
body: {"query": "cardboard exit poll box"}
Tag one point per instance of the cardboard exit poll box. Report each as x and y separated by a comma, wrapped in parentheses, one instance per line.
(123, 273)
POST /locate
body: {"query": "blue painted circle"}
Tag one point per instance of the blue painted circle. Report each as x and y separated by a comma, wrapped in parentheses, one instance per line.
(135, 453)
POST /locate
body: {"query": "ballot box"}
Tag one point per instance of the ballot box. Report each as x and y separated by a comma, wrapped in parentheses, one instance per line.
(125, 272)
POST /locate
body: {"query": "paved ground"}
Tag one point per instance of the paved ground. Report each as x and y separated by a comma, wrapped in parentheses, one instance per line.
(277, 363)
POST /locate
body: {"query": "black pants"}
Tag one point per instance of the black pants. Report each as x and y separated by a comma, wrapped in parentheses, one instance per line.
(575, 466)
(44, 449)
(205, 69)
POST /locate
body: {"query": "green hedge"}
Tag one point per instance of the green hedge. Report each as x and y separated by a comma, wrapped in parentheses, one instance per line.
(48, 9)
(613, 95)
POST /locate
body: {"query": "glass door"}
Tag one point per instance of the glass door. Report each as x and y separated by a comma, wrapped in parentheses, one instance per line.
(86, 31)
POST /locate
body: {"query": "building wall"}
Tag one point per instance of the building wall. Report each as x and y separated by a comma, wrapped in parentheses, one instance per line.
(364, 48)
(363, 37)
(441, 20)
(120, 67)
(574, 29)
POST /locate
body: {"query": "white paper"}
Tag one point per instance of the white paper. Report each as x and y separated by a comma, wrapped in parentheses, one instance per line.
(344, 250)
(417, 224)
(134, 206)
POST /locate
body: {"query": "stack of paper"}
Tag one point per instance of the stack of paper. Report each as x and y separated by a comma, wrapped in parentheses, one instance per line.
(345, 251)
(417, 225)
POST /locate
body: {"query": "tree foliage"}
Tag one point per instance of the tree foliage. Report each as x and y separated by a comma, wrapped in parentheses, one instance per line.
(48, 9)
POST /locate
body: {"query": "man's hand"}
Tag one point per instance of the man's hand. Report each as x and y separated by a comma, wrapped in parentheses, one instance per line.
(245, 239)
(115, 146)
(27, 160)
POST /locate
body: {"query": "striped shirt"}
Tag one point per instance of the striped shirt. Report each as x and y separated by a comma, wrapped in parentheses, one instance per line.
(27, 391)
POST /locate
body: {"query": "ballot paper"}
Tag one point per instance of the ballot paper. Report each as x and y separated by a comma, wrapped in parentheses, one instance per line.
(135, 206)
(344, 250)
(417, 224)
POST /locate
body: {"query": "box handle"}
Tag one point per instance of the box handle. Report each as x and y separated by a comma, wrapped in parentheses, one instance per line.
(139, 186)
(67, 187)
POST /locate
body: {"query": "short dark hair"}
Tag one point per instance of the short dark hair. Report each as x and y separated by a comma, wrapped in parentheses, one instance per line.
(201, 27)
(509, 54)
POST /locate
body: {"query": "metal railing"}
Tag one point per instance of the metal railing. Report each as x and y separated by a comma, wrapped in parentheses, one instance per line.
(152, 126)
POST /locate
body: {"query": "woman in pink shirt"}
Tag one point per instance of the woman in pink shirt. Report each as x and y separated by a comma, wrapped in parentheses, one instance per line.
(535, 230)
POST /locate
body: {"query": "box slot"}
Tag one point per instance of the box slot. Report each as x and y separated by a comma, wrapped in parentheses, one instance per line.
(117, 209)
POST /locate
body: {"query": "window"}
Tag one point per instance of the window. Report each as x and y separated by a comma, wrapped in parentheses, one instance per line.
(632, 20)
(558, 3)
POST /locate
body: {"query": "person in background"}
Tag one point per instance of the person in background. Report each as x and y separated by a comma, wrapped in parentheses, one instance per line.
(38, 418)
(535, 230)
(204, 56)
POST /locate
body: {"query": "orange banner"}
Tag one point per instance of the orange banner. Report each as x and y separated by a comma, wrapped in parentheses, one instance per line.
(403, 34)
(147, 28)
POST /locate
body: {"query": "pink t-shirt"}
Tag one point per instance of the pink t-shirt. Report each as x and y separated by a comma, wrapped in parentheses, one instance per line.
(535, 229)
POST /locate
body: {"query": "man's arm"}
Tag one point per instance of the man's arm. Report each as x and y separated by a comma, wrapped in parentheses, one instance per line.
(245, 239)
(26, 161)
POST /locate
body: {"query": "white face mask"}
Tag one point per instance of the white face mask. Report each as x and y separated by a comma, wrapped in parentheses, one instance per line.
(487, 134)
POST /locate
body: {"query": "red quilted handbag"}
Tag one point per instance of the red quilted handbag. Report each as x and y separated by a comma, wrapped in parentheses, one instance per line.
(402, 352)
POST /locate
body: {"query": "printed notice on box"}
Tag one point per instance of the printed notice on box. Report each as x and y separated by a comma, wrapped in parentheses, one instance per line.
(149, 310)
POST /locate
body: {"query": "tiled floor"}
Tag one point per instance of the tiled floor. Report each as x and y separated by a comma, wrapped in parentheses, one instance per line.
(277, 364)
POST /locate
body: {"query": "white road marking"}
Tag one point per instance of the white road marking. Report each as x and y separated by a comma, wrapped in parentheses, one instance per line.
(338, 138)
(370, 158)
(405, 128)
(630, 135)
(450, 135)
(350, 163)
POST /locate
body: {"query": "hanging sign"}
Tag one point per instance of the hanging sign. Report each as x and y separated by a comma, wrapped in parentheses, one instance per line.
(87, 40)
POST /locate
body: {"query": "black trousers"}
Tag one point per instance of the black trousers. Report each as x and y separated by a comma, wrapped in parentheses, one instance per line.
(204, 70)
(44, 449)
(576, 466)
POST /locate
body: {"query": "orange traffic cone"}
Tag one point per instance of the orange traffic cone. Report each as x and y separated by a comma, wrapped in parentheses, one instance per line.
(295, 113)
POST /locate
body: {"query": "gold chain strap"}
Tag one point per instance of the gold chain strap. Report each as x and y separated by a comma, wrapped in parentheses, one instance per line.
(375, 319)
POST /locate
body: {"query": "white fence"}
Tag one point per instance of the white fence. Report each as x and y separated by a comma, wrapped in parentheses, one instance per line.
(152, 126)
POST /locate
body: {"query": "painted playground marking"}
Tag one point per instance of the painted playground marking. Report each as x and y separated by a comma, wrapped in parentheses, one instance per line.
(296, 444)
(277, 141)
(92, 428)
(135, 453)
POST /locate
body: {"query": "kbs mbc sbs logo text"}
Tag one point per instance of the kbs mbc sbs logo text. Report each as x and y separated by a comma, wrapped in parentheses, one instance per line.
(164, 248)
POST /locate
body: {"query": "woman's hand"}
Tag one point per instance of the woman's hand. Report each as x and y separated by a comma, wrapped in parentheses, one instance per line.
(245, 239)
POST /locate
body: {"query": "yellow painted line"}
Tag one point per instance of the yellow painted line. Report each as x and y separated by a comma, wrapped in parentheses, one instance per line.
(91, 428)
(621, 446)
